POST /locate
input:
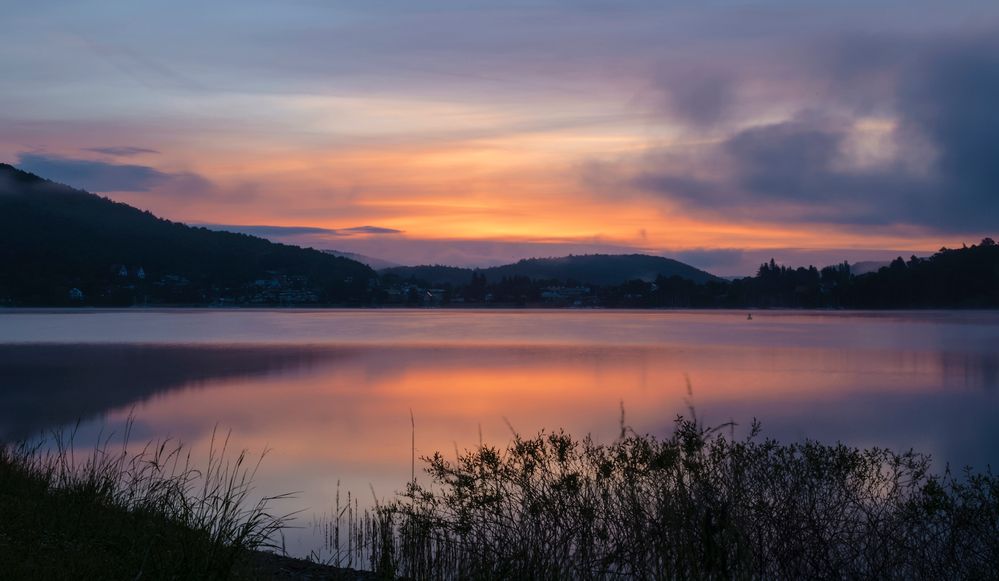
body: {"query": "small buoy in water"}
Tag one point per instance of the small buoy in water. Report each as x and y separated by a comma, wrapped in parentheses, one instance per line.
(749, 317)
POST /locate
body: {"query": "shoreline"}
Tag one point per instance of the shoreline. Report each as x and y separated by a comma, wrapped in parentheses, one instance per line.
(479, 308)
(274, 566)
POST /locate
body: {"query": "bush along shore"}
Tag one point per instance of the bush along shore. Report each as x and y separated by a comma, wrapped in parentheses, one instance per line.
(698, 504)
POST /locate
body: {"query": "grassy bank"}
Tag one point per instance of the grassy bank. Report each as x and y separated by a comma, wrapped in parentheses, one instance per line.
(119, 515)
(700, 504)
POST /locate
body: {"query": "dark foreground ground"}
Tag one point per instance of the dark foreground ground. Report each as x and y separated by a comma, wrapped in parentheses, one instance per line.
(264, 565)
(112, 516)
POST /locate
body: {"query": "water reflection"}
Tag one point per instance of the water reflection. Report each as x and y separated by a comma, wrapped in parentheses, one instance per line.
(48, 386)
(331, 409)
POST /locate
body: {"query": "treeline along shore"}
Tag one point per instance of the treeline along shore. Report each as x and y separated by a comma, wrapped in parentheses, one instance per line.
(65, 247)
(966, 277)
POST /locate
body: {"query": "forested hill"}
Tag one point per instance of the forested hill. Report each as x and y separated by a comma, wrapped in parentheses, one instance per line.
(966, 277)
(60, 245)
(591, 269)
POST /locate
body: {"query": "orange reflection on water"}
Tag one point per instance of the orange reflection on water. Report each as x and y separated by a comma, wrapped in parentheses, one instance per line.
(334, 410)
(348, 419)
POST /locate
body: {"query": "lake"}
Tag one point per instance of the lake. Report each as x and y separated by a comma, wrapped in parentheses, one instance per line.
(330, 392)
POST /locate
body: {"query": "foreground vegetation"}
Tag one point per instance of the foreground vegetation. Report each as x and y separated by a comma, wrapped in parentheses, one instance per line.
(120, 515)
(699, 504)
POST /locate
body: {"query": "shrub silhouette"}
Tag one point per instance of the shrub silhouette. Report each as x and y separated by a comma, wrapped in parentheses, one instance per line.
(698, 504)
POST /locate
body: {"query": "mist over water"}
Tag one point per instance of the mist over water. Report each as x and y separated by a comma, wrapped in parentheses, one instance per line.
(330, 392)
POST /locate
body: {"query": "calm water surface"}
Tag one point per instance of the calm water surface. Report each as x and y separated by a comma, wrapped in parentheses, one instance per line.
(330, 392)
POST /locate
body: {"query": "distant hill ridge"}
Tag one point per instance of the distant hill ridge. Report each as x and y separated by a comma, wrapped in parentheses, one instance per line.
(590, 269)
(60, 245)
(372, 261)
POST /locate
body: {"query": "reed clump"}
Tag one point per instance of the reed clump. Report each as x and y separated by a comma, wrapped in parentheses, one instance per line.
(116, 514)
(698, 504)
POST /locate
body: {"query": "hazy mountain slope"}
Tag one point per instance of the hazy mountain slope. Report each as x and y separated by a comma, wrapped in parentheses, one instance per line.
(867, 266)
(373, 262)
(602, 269)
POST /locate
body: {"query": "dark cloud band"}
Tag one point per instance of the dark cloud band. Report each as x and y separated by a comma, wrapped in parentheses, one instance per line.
(943, 96)
(99, 176)
(122, 151)
(289, 231)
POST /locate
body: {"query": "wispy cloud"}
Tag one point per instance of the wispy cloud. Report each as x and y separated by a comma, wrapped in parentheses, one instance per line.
(297, 231)
(366, 230)
(99, 176)
(122, 150)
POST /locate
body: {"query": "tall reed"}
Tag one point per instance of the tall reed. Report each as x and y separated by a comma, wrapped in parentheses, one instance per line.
(698, 504)
(116, 514)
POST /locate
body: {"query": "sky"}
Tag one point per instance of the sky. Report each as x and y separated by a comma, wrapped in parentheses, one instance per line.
(470, 133)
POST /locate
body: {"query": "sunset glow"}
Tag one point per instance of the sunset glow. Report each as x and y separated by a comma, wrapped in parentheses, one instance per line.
(480, 134)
